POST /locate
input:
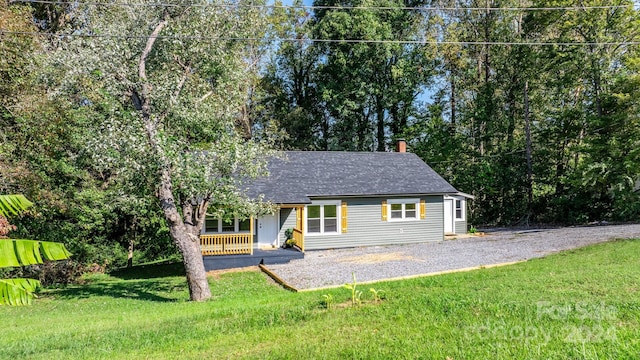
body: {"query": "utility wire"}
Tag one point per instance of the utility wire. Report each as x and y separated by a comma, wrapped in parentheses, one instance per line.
(345, 41)
(329, 7)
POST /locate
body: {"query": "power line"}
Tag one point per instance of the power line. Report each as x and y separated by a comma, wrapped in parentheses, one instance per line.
(345, 41)
(330, 7)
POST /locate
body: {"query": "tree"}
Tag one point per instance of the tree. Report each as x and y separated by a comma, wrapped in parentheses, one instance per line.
(20, 252)
(289, 86)
(164, 86)
(369, 89)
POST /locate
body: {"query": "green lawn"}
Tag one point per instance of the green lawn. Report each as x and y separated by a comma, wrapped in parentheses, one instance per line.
(573, 305)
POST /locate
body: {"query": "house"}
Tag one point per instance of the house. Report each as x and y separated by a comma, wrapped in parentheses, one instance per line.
(333, 199)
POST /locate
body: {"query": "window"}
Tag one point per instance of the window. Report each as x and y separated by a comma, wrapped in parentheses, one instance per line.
(313, 219)
(459, 209)
(244, 225)
(396, 211)
(322, 217)
(403, 209)
(217, 225)
(330, 218)
(211, 225)
(228, 226)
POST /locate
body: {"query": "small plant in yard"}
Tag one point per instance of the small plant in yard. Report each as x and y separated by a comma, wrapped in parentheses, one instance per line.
(378, 295)
(473, 230)
(356, 295)
(328, 301)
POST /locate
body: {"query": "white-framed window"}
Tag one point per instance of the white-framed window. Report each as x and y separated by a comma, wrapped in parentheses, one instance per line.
(218, 226)
(459, 209)
(403, 209)
(322, 218)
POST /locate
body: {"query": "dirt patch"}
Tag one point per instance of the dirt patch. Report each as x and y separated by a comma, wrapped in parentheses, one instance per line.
(216, 273)
(377, 258)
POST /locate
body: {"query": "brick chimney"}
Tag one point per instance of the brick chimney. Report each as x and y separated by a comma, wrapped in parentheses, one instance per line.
(401, 146)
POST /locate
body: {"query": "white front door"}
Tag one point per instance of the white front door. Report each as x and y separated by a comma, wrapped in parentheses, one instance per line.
(268, 231)
(448, 216)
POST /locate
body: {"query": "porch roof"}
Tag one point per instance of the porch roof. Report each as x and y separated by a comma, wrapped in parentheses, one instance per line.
(302, 175)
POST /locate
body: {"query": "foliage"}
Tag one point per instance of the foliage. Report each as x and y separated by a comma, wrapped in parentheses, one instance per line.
(54, 273)
(162, 110)
(289, 233)
(536, 310)
(344, 96)
(538, 133)
(11, 205)
(20, 252)
(290, 241)
(49, 160)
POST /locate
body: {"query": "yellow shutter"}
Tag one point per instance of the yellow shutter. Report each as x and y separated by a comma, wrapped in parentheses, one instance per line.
(423, 209)
(344, 217)
(384, 210)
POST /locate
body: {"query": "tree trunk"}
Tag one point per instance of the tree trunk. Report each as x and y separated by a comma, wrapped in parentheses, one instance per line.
(189, 246)
(380, 117)
(488, 110)
(186, 238)
(527, 128)
(595, 68)
(130, 254)
(188, 242)
(452, 81)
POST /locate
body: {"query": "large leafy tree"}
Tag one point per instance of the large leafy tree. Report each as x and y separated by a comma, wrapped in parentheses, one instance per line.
(289, 86)
(355, 88)
(370, 88)
(20, 252)
(539, 132)
(164, 86)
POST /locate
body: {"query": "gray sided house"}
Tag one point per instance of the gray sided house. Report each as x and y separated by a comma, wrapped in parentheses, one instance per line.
(333, 199)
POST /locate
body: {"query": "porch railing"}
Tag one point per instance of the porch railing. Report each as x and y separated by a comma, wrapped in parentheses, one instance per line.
(226, 244)
(298, 237)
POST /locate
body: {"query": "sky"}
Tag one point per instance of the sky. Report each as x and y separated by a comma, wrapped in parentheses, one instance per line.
(304, 2)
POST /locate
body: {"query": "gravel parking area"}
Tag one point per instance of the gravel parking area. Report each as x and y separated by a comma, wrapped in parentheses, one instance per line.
(327, 268)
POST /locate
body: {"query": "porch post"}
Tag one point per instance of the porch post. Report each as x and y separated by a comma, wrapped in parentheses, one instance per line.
(251, 234)
(299, 213)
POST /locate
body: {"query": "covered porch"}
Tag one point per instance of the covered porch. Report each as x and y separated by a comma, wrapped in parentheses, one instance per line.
(243, 244)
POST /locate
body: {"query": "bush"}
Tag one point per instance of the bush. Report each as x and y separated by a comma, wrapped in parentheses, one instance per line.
(54, 272)
(290, 242)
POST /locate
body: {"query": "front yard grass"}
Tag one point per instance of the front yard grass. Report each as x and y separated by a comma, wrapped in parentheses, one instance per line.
(581, 304)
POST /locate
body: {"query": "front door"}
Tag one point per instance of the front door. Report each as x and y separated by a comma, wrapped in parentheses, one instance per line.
(268, 231)
(448, 216)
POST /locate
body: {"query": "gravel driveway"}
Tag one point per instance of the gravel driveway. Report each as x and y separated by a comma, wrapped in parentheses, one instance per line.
(328, 268)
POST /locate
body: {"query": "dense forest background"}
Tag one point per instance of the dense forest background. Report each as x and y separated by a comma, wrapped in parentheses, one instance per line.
(531, 106)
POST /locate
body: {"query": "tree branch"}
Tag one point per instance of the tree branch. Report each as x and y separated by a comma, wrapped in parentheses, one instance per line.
(165, 187)
(185, 75)
(187, 212)
(201, 212)
(142, 71)
(204, 97)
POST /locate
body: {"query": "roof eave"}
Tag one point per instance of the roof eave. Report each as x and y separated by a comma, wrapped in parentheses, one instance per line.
(460, 193)
(384, 194)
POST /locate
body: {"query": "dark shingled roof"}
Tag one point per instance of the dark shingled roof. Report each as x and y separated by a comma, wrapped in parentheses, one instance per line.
(304, 174)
